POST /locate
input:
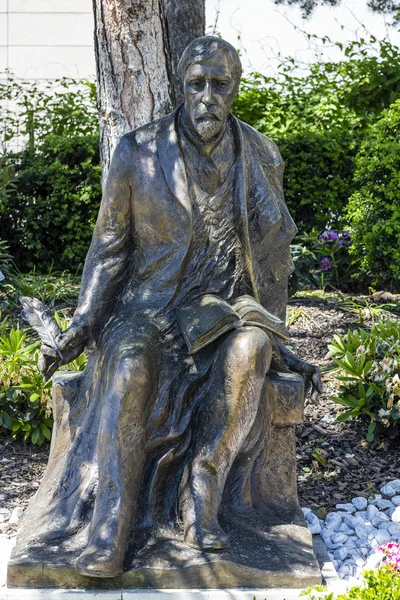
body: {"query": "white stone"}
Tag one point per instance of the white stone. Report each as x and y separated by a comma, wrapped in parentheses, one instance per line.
(334, 546)
(333, 520)
(396, 515)
(388, 490)
(360, 531)
(326, 534)
(383, 536)
(395, 484)
(341, 553)
(362, 514)
(5, 511)
(314, 529)
(351, 542)
(345, 570)
(378, 518)
(343, 528)
(384, 525)
(370, 529)
(311, 518)
(384, 504)
(360, 503)
(306, 511)
(374, 499)
(371, 511)
(349, 507)
(352, 522)
(396, 500)
(371, 534)
(374, 560)
(394, 529)
(339, 538)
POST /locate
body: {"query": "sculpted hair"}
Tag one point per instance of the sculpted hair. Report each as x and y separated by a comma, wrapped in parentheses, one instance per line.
(203, 48)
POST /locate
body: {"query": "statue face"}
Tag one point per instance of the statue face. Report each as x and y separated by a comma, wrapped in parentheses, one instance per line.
(209, 90)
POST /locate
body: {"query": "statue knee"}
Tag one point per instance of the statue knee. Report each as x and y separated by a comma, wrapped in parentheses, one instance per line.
(251, 345)
(133, 369)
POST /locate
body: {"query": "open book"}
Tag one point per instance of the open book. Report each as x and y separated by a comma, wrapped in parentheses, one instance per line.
(208, 317)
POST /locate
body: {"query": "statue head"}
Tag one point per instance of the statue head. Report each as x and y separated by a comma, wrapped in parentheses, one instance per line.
(210, 71)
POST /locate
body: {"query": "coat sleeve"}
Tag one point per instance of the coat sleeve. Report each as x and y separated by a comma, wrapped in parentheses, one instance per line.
(107, 262)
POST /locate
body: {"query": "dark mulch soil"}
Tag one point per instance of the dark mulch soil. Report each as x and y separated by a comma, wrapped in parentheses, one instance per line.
(353, 467)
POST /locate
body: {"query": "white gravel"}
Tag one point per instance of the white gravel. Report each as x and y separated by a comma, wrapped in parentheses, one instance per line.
(353, 533)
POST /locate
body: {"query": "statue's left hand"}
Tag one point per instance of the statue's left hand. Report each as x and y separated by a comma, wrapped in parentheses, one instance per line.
(312, 377)
(310, 373)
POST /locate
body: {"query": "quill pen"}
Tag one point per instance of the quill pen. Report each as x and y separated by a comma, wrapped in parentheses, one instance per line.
(40, 318)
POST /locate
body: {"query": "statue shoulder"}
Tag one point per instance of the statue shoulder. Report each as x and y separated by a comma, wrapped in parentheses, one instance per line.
(260, 144)
(145, 137)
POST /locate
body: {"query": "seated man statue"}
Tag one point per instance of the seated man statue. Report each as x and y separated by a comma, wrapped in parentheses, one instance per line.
(189, 255)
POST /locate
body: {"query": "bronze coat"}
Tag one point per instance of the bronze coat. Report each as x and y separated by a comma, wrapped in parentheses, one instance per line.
(144, 227)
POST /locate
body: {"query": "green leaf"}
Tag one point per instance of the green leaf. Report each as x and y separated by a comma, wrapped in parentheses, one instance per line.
(343, 417)
(35, 435)
(46, 431)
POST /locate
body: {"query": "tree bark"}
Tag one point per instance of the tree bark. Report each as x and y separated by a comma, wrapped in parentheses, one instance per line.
(137, 46)
(186, 22)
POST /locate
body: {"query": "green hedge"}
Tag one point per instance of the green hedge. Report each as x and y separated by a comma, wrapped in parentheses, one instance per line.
(373, 210)
(48, 211)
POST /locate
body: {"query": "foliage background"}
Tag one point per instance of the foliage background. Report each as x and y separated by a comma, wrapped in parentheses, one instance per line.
(49, 210)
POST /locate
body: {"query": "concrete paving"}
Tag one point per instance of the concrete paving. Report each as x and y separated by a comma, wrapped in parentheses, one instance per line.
(328, 572)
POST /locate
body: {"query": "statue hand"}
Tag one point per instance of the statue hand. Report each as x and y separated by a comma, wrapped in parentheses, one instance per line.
(71, 344)
(310, 373)
(312, 378)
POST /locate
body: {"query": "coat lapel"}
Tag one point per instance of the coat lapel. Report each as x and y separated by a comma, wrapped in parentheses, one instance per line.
(172, 162)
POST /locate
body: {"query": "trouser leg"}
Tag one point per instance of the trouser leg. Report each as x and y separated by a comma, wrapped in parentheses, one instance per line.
(223, 424)
(120, 455)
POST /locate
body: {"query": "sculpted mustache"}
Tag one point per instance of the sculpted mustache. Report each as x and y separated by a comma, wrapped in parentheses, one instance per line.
(206, 113)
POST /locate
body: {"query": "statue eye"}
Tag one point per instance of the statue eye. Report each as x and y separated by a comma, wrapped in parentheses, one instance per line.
(222, 84)
(197, 84)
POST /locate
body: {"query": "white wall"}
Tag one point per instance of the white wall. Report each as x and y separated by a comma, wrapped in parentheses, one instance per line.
(47, 39)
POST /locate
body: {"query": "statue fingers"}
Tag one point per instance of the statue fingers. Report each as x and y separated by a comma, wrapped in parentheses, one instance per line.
(48, 351)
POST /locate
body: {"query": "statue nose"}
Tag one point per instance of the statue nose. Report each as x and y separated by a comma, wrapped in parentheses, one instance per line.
(207, 97)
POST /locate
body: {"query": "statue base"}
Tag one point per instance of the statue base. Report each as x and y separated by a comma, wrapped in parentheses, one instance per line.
(279, 556)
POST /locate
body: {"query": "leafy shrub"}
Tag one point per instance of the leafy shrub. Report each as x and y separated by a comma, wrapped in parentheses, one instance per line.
(382, 584)
(369, 372)
(321, 260)
(25, 396)
(374, 209)
(50, 211)
(319, 119)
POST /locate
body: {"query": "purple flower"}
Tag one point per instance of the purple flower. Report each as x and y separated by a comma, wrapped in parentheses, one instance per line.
(326, 263)
(328, 236)
(346, 234)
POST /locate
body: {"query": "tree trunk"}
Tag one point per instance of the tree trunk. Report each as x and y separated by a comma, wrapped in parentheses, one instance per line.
(186, 22)
(137, 45)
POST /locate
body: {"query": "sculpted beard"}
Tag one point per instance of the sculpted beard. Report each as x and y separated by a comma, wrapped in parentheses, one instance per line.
(207, 127)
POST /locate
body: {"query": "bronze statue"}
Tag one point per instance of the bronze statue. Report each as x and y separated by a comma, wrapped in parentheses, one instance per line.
(183, 295)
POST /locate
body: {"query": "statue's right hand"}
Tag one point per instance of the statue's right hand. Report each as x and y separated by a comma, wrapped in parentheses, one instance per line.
(71, 344)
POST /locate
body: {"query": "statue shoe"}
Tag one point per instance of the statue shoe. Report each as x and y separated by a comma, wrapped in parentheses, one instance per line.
(207, 539)
(100, 560)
